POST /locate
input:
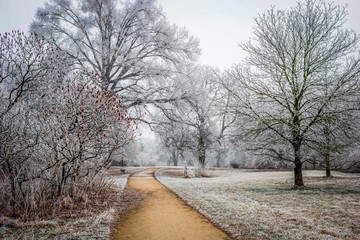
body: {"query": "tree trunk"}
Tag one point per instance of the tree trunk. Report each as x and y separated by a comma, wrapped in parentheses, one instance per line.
(298, 174)
(327, 163)
(201, 158)
(62, 180)
(201, 152)
(328, 172)
(186, 174)
(218, 158)
(327, 149)
(11, 176)
(298, 179)
(298, 167)
(175, 157)
(181, 153)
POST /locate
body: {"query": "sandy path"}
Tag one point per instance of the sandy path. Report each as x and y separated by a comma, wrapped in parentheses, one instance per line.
(162, 215)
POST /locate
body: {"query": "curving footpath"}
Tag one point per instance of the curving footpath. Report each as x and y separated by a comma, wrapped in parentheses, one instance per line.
(162, 215)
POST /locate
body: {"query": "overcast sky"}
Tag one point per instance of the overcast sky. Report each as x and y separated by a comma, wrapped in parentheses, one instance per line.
(219, 25)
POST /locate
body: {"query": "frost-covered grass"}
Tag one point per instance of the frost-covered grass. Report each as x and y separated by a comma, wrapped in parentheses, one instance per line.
(264, 205)
(93, 227)
(85, 223)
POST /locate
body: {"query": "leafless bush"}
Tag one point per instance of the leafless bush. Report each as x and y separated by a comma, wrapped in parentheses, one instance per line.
(58, 131)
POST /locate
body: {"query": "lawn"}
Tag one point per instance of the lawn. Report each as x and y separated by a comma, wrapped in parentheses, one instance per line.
(264, 204)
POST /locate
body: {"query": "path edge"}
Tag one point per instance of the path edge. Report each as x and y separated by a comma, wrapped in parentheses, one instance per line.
(192, 207)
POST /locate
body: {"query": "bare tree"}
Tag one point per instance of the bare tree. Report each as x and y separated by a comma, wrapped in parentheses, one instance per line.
(177, 139)
(23, 61)
(282, 92)
(224, 115)
(130, 44)
(337, 131)
(195, 113)
(336, 137)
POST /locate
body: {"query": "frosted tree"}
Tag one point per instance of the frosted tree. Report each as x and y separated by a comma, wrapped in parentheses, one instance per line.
(129, 44)
(178, 141)
(194, 113)
(282, 91)
(336, 137)
(336, 134)
(24, 59)
(224, 115)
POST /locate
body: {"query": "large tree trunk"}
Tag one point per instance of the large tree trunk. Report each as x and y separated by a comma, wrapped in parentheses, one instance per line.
(201, 158)
(298, 175)
(298, 167)
(298, 179)
(327, 167)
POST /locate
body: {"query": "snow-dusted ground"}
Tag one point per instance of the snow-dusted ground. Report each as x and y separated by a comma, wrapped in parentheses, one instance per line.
(119, 180)
(264, 205)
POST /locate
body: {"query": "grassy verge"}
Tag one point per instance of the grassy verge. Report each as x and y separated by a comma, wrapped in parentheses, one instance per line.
(263, 205)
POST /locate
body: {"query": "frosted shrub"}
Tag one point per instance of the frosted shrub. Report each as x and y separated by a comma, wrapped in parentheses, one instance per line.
(58, 129)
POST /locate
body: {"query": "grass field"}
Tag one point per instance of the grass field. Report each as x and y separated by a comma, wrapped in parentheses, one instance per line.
(264, 205)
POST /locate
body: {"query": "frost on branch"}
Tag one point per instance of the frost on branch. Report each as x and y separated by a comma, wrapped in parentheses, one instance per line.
(58, 128)
(130, 44)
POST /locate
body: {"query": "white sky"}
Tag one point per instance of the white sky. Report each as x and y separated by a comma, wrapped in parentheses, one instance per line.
(219, 25)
